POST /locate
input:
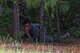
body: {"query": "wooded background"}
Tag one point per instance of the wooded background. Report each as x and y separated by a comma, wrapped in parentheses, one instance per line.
(58, 16)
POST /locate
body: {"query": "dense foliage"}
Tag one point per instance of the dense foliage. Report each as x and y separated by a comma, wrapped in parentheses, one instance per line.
(69, 13)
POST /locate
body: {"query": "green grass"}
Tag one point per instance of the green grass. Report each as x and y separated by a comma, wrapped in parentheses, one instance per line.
(22, 51)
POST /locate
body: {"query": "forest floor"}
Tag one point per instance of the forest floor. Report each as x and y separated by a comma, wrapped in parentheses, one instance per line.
(74, 45)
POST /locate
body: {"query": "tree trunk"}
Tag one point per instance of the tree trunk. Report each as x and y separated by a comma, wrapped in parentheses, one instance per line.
(42, 19)
(15, 18)
(49, 21)
(58, 18)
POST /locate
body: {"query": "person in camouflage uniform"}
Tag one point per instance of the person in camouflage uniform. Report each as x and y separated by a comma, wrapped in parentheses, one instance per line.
(32, 31)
